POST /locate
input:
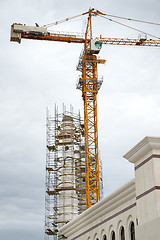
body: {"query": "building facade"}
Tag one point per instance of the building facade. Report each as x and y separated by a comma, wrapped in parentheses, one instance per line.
(133, 211)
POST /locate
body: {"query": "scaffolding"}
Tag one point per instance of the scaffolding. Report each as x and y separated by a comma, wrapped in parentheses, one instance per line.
(65, 195)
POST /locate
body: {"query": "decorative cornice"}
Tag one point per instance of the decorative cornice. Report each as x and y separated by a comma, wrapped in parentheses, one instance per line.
(105, 220)
(104, 207)
(146, 145)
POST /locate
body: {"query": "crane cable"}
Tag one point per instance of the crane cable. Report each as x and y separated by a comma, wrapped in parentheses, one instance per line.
(129, 19)
(63, 20)
(128, 26)
(104, 16)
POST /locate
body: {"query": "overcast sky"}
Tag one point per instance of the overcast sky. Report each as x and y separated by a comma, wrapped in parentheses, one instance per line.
(35, 75)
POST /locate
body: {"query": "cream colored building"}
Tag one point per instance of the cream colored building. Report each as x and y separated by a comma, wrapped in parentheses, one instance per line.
(133, 211)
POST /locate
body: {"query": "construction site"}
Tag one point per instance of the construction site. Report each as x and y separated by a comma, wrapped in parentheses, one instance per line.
(65, 170)
(74, 179)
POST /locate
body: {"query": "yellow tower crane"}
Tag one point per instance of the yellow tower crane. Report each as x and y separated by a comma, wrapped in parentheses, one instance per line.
(89, 83)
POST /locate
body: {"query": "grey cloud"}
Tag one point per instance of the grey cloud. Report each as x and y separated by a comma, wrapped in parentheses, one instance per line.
(35, 75)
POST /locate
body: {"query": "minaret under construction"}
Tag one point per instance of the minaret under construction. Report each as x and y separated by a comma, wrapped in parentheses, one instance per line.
(65, 170)
(68, 198)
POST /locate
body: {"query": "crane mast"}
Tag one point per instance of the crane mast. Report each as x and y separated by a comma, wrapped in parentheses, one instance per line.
(88, 83)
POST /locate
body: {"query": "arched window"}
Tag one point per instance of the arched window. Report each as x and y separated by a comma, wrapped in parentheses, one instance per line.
(104, 237)
(122, 233)
(113, 236)
(132, 231)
